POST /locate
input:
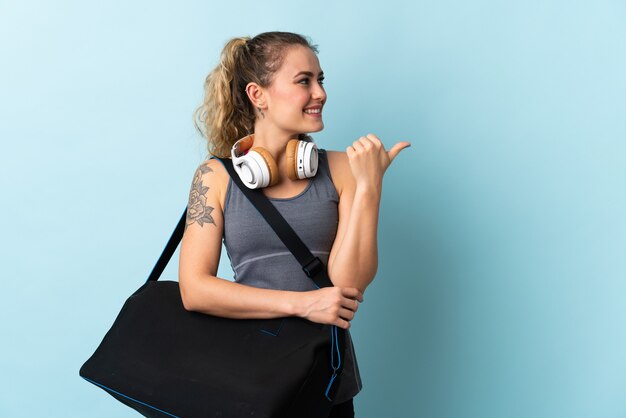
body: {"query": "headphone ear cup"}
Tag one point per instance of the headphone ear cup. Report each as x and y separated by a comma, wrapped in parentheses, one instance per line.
(302, 159)
(271, 164)
(292, 159)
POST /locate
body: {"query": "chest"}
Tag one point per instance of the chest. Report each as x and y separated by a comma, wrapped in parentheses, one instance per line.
(313, 217)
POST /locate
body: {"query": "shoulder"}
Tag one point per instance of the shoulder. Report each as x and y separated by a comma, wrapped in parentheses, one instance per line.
(336, 159)
(210, 169)
(211, 179)
(340, 170)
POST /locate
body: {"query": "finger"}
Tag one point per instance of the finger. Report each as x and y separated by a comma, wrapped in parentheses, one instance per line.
(350, 304)
(366, 142)
(395, 150)
(341, 323)
(374, 139)
(346, 314)
(352, 292)
(358, 146)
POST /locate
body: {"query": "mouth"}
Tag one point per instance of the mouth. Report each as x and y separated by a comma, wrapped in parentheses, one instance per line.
(314, 111)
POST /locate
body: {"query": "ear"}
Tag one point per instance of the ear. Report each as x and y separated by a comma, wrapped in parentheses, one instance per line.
(256, 94)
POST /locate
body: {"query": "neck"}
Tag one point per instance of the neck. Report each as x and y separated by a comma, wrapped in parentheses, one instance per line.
(275, 142)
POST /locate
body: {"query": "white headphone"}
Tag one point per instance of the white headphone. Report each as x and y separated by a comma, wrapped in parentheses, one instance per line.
(256, 166)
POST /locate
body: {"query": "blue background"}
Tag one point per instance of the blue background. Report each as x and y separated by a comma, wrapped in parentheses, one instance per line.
(500, 291)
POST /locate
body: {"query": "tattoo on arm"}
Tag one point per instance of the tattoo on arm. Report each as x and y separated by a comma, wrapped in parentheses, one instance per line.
(197, 209)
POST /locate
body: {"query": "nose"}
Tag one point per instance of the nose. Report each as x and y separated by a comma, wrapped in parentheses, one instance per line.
(319, 93)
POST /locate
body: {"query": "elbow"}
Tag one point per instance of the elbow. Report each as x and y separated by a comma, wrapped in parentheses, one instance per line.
(186, 294)
(355, 265)
(197, 293)
(188, 306)
(351, 277)
(358, 282)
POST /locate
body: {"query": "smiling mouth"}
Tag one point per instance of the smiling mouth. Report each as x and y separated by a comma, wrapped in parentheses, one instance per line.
(314, 112)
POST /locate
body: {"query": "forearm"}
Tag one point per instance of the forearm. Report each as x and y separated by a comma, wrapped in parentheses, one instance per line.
(356, 261)
(215, 296)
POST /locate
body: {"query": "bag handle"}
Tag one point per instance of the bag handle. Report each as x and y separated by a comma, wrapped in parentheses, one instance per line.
(169, 249)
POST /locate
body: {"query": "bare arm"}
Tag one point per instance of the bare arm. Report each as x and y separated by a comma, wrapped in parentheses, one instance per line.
(353, 260)
(203, 291)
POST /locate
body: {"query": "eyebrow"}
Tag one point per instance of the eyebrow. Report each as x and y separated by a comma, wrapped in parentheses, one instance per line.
(310, 74)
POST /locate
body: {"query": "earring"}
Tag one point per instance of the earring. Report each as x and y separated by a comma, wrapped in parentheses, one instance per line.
(262, 114)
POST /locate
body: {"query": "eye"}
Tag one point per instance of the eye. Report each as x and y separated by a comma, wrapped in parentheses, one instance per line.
(320, 81)
(305, 81)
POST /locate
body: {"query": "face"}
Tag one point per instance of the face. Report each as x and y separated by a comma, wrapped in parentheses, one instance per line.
(297, 85)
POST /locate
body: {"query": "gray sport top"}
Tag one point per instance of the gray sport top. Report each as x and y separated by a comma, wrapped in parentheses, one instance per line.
(260, 259)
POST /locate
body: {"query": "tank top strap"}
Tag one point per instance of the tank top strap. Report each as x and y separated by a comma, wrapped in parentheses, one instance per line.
(325, 178)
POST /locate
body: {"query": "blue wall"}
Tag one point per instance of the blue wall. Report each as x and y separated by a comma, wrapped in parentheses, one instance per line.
(500, 291)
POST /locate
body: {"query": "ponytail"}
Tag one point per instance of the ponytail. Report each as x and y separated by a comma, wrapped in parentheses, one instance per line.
(218, 118)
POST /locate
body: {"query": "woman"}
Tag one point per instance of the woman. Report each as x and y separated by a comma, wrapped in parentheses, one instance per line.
(271, 87)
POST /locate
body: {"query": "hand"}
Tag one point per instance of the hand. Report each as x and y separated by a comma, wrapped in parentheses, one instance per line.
(331, 305)
(369, 160)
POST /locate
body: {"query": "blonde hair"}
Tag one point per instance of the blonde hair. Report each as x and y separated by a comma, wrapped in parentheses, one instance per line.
(226, 113)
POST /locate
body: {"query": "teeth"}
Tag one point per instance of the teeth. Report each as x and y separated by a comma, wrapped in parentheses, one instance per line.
(313, 111)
